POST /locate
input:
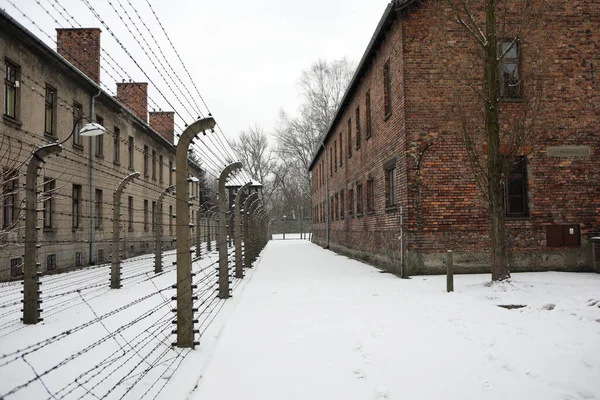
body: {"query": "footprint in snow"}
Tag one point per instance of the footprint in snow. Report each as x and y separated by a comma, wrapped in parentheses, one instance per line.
(593, 302)
(382, 393)
(359, 374)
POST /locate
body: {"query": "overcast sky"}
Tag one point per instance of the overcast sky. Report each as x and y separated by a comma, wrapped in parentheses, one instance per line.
(245, 57)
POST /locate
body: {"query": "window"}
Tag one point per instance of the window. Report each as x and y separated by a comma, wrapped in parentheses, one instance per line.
(171, 219)
(170, 172)
(11, 90)
(342, 204)
(11, 186)
(350, 201)
(331, 208)
(51, 262)
(146, 214)
(368, 114)
(79, 259)
(16, 266)
(390, 187)
(387, 90)
(130, 151)
(341, 150)
(370, 195)
(510, 81)
(100, 258)
(357, 126)
(154, 164)
(130, 213)
(334, 155)
(100, 138)
(153, 216)
(117, 146)
(516, 188)
(77, 116)
(160, 169)
(98, 208)
(50, 111)
(49, 186)
(359, 199)
(349, 139)
(146, 169)
(76, 206)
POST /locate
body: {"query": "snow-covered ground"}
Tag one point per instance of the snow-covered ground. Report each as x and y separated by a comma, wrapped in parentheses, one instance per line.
(306, 323)
(315, 325)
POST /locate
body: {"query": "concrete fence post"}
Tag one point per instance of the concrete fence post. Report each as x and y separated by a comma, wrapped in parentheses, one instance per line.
(158, 229)
(223, 205)
(237, 233)
(449, 273)
(115, 268)
(31, 288)
(252, 229)
(185, 312)
(251, 197)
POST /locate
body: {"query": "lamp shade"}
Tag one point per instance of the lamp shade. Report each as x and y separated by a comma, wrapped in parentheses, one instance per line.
(92, 129)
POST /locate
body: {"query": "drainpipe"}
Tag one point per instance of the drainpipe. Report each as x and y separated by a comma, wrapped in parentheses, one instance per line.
(92, 201)
(327, 166)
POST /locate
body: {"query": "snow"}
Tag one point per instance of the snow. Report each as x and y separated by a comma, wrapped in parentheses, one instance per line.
(306, 323)
(316, 325)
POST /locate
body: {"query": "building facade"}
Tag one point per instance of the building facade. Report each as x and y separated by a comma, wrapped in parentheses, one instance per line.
(47, 96)
(391, 181)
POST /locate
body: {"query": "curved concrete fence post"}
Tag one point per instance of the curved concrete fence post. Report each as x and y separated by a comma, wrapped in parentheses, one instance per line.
(251, 197)
(31, 285)
(237, 232)
(115, 268)
(158, 229)
(223, 205)
(185, 314)
(252, 229)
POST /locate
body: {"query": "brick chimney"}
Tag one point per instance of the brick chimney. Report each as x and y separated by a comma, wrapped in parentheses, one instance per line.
(134, 95)
(81, 47)
(163, 122)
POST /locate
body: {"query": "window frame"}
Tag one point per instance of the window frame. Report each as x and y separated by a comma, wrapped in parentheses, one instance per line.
(153, 164)
(391, 198)
(357, 127)
(160, 168)
(77, 118)
(10, 85)
(146, 161)
(117, 146)
(521, 162)
(50, 102)
(10, 189)
(368, 120)
(370, 189)
(349, 127)
(359, 199)
(76, 194)
(130, 151)
(146, 215)
(503, 86)
(99, 139)
(98, 201)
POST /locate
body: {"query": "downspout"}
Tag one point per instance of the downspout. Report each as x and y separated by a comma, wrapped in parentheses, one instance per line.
(92, 201)
(326, 197)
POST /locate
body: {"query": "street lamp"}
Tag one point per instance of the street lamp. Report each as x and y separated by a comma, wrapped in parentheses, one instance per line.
(284, 220)
(92, 130)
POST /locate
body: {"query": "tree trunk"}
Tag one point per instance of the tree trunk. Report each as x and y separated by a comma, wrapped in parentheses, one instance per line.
(494, 158)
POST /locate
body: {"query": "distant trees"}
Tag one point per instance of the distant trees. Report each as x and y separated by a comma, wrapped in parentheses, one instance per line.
(283, 168)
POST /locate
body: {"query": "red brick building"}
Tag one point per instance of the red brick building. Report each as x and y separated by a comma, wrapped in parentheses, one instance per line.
(393, 171)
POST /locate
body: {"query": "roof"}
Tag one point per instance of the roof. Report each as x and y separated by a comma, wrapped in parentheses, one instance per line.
(389, 16)
(9, 24)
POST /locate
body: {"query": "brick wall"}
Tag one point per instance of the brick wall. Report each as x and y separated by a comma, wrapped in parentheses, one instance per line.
(81, 47)
(164, 123)
(441, 202)
(134, 95)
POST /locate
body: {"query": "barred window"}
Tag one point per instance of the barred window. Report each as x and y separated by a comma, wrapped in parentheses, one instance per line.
(11, 90)
(50, 111)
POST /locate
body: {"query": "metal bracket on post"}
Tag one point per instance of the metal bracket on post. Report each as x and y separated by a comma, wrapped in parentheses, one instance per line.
(31, 301)
(115, 268)
(247, 262)
(158, 229)
(185, 313)
(237, 233)
(223, 261)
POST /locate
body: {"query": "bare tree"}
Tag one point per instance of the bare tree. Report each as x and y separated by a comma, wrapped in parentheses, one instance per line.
(495, 132)
(253, 149)
(322, 89)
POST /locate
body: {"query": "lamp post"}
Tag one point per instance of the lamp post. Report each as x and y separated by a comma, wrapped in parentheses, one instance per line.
(284, 221)
(92, 130)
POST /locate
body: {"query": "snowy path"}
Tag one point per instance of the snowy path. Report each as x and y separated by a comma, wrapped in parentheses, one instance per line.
(315, 325)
